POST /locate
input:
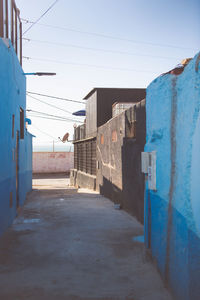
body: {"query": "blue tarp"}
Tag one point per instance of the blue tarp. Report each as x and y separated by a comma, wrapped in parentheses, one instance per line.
(79, 113)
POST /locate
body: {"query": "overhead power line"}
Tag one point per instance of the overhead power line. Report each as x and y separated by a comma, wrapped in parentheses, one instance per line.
(45, 114)
(88, 65)
(51, 118)
(47, 134)
(54, 97)
(54, 106)
(112, 37)
(49, 115)
(100, 49)
(34, 23)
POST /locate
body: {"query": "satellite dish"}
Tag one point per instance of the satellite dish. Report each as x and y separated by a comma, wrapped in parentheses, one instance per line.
(65, 137)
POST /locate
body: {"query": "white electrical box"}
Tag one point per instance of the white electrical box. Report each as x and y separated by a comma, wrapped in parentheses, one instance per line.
(152, 171)
(145, 162)
(149, 167)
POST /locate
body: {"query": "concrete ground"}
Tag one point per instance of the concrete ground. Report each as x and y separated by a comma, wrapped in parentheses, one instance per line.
(74, 245)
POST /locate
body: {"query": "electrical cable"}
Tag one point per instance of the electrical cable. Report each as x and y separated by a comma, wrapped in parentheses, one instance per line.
(54, 97)
(88, 65)
(55, 119)
(111, 37)
(49, 115)
(54, 106)
(34, 23)
(43, 132)
(101, 50)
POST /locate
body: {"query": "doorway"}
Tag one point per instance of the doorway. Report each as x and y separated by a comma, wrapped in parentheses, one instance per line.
(17, 168)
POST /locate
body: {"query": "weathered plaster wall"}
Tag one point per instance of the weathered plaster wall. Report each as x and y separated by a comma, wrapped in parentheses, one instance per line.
(109, 156)
(12, 97)
(52, 162)
(119, 160)
(81, 179)
(172, 221)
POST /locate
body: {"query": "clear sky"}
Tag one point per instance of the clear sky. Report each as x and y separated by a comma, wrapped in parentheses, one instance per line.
(101, 43)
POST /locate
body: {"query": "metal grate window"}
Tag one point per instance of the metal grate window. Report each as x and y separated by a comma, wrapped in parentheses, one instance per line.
(85, 156)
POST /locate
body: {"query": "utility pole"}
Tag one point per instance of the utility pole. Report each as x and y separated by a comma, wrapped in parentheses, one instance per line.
(53, 145)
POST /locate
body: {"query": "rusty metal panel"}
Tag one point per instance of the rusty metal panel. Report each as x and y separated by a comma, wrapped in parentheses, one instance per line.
(1, 18)
(75, 156)
(10, 25)
(20, 52)
(12, 22)
(16, 31)
(6, 33)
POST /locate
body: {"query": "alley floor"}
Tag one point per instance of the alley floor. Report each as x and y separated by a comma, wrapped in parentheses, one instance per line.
(69, 244)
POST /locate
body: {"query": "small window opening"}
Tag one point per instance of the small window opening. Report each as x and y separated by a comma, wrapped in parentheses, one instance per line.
(102, 139)
(13, 126)
(11, 200)
(114, 136)
(21, 123)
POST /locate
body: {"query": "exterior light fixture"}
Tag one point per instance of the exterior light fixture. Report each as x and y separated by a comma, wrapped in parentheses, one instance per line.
(41, 74)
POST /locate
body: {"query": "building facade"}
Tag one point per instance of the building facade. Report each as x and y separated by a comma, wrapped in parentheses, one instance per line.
(99, 104)
(172, 206)
(120, 142)
(15, 141)
(107, 149)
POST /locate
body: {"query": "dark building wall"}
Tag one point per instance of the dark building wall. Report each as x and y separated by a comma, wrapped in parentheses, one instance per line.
(99, 105)
(91, 115)
(119, 145)
(107, 97)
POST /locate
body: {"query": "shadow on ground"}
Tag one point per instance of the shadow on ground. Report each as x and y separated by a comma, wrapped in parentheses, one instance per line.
(69, 244)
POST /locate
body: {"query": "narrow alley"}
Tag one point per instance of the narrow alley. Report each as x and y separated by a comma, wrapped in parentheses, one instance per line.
(69, 244)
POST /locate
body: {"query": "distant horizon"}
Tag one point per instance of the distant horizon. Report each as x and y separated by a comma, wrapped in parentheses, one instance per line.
(48, 147)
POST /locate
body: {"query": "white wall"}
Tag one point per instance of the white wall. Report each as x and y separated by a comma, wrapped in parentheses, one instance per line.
(52, 162)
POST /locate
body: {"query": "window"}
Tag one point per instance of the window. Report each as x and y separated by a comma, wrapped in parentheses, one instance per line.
(13, 126)
(21, 123)
(114, 136)
(102, 139)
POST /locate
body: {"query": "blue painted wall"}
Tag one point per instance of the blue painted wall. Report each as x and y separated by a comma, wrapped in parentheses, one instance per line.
(12, 97)
(172, 213)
